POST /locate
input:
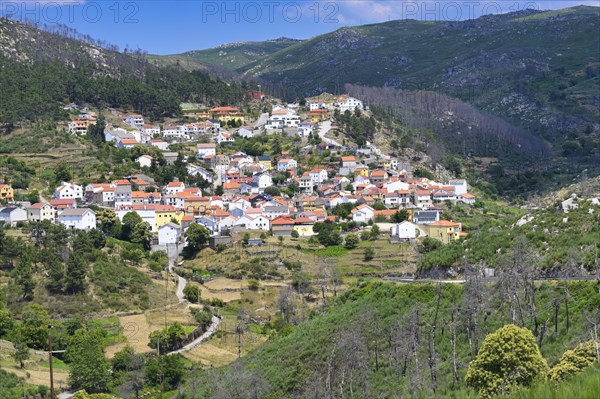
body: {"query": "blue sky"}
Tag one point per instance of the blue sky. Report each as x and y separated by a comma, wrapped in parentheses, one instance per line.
(168, 27)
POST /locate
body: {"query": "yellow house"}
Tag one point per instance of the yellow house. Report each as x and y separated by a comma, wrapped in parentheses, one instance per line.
(6, 192)
(203, 114)
(166, 213)
(304, 227)
(265, 161)
(362, 172)
(225, 114)
(444, 230)
(313, 204)
(227, 118)
(317, 115)
(196, 206)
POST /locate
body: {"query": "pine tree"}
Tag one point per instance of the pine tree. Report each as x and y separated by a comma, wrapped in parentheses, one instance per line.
(75, 275)
(23, 274)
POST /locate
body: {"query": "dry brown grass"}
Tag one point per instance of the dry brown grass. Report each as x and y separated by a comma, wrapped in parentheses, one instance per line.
(136, 330)
(222, 283)
(225, 296)
(222, 348)
(40, 376)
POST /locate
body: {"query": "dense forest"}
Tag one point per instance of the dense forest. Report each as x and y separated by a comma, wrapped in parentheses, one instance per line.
(37, 76)
(33, 92)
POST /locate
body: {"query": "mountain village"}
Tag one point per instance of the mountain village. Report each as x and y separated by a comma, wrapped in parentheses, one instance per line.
(240, 197)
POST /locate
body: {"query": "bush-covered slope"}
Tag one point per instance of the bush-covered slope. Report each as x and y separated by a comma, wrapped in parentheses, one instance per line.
(231, 57)
(385, 340)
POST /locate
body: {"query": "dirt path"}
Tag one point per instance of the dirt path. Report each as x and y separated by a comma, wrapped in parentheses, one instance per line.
(211, 330)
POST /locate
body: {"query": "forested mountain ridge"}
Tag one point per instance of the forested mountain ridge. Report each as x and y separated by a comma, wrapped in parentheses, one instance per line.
(231, 57)
(41, 70)
(538, 70)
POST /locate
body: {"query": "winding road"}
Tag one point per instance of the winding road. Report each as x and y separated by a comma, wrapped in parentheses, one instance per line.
(325, 127)
(211, 330)
(173, 253)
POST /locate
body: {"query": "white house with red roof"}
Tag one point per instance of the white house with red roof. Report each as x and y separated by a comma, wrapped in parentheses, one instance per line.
(318, 175)
(286, 164)
(348, 161)
(223, 137)
(152, 130)
(136, 121)
(127, 143)
(101, 194)
(78, 219)
(40, 212)
(422, 199)
(205, 149)
(62, 204)
(316, 104)
(282, 117)
(395, 185)
(160, 144)
(398, 199)
(346, 103)
(363, 213)
(173, 188)
(467, 198)
(68, 190)
(78, 126)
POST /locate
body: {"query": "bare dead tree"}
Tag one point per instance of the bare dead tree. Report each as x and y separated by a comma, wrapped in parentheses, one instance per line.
(569, 270)
(556, 303)
(597, 267)
(426, 110)
(413, 324)
(455, 377)
(370, 325)
(400, 346)
(239, 382)
(472, 304)
(286, 305)
(432, 360)
(352, 364)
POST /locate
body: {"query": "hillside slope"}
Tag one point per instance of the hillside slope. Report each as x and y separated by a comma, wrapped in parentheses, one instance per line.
(539, 70)
(230, 57)
(40, 70)
(379, 341)
(28, 44)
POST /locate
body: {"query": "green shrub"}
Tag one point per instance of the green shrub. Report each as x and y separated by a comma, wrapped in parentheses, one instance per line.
(574, 361)
(507, 358)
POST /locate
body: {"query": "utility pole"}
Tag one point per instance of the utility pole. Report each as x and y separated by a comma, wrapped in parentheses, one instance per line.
(161, 368)
(239, 337)
(50, 362)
